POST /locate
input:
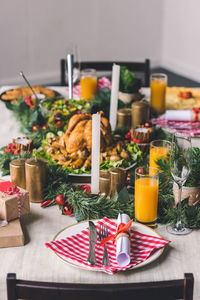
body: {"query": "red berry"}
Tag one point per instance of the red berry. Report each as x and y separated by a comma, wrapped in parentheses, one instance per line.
(128, 135)
(128, 179)
(60, 199)
(67, 210)
(16, 151)
(85, 187)
(44, 127)
(7, 150)
(35, 127)
(59, 124)
(140, 171)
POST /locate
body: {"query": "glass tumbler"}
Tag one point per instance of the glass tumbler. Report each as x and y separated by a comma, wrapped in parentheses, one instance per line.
(88, 83)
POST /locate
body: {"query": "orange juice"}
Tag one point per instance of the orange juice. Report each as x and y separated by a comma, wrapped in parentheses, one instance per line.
(88, 87)
(158, 90)
(146, 199)
(157, 153)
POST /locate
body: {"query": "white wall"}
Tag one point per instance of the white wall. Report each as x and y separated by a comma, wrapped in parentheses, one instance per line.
(34, 34)
(181, 37)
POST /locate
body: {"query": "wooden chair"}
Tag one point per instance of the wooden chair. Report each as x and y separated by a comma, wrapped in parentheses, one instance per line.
(163, 290)
(142, 69)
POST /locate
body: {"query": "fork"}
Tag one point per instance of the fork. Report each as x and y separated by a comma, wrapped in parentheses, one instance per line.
(103, 233)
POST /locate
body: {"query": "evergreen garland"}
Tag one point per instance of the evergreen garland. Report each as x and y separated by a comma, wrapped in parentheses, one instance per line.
(95, 207)
(84, 205)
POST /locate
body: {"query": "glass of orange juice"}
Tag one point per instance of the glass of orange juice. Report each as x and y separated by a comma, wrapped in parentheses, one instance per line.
(158, 84)
(88, 83)
(146, 195)
(158, 149)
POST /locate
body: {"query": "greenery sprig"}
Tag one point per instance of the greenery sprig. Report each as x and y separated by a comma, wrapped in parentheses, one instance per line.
(167, 210)
(85, 205)
(129, 83)
(6, 158)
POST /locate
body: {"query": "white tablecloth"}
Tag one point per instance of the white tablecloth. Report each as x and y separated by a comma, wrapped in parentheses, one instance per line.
(35, 262)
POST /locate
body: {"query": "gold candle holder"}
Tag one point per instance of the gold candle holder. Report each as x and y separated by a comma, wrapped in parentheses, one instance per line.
(124, 117)
(104, 183)
(140, 113)
(117, 180)
(17, 172)
(35, 178)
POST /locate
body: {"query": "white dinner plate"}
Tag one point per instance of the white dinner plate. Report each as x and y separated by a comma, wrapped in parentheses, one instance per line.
(76, 228)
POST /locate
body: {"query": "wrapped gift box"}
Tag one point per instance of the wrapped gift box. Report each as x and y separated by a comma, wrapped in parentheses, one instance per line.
(11, 235)
(14, 202)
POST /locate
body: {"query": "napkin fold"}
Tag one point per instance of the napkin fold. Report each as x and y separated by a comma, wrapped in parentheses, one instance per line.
(76, 248)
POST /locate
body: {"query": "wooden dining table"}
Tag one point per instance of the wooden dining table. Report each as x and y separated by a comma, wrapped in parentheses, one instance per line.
(34, 261)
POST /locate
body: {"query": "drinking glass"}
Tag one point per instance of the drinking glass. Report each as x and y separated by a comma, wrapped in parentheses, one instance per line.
(88, 83)
(73, 48)
(158, 149)
(158, 84)
(146, 195)
(180, 166)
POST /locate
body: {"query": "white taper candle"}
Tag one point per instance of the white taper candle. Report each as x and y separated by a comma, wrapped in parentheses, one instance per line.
(96, 123)
(114, 96)
(70, 62)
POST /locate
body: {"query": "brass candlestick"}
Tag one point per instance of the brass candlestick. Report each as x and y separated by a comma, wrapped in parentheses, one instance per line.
(35, 178)
(124, 117)
(117, 180)
(140, 113)
(17, 172)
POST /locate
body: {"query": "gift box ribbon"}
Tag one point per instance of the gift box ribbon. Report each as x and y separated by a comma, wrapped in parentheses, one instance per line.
(76, 248)
(9, 188)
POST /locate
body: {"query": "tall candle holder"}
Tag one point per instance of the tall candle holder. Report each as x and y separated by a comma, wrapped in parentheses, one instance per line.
(104, 183)
(117, 180)
(35, 169)
(17, 172)
(140, 113)
(124, 117)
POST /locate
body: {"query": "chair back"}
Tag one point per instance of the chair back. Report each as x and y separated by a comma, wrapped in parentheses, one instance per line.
(163, 290)
(141, 69)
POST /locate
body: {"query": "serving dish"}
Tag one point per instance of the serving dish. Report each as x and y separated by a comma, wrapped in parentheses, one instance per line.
(11, 95)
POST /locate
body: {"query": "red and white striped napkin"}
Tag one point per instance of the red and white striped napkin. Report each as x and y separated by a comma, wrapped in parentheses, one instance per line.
(76, 248)
(185, 128)
(103, 82)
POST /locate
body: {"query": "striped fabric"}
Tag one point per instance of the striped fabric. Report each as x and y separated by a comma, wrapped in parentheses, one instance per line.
(182, 127)
(76, 248)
